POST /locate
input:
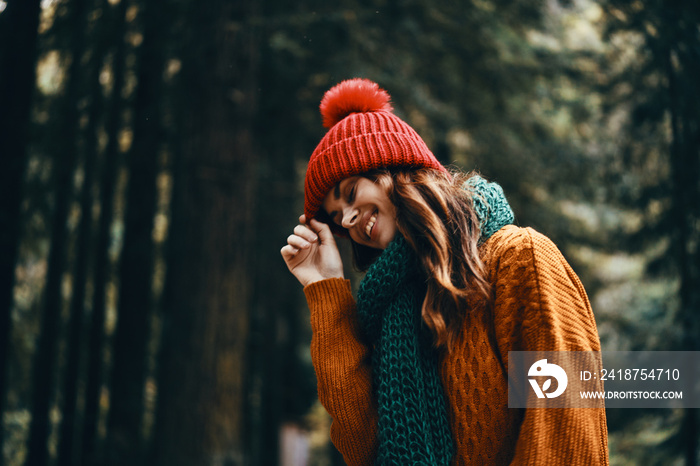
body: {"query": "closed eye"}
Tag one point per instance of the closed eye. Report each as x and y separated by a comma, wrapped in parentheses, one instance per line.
(336, 216)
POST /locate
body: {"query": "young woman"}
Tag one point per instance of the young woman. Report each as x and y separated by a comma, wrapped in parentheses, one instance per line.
(415, 370)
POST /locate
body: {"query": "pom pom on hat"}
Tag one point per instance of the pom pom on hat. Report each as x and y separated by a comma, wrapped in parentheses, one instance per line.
(364, 135)
(351, 96)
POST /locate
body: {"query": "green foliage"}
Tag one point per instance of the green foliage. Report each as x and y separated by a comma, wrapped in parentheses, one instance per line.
(651, 98)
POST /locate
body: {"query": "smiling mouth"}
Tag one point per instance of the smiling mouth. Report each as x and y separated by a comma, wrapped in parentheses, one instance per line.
(370, 224)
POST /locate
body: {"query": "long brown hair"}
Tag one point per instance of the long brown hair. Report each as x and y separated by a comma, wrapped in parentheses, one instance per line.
(436, 216)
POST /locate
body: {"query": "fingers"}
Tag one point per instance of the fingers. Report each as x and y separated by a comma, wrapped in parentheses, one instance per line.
(304, 232)
(311, 253)
(298, 242)
(305, 235)
(323, 230)
(288, 252)
(302, 238)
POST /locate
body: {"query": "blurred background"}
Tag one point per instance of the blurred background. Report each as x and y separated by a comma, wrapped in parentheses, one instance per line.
(152, 158)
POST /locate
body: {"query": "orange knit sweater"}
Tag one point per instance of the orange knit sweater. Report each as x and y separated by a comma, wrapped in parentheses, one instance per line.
(540, 305)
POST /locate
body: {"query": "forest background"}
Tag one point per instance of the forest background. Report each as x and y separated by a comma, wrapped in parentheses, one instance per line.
(152, 162)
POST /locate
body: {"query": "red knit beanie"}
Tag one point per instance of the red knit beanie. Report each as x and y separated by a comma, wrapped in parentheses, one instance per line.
(364, 135)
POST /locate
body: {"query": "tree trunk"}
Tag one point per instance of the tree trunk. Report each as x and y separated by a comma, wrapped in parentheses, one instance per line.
(283, 384)
(102, 267)
(64, 165)
(18, 38)
(685, 134)
(206, 297)
(68, 450)
(125, 429)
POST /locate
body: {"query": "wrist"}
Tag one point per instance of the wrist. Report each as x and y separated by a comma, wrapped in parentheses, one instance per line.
(319, 277)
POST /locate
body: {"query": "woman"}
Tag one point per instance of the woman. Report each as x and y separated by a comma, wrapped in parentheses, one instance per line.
(414, 372)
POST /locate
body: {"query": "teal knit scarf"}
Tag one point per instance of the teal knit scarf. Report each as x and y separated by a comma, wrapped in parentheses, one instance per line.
(413, 425)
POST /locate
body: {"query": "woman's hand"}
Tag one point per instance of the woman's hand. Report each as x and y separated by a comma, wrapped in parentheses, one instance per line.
(311, 253)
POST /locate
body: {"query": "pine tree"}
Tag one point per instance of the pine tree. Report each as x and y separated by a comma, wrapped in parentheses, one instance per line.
(659, 172)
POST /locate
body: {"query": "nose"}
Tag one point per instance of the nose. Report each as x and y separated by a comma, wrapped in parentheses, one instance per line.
(350, 217)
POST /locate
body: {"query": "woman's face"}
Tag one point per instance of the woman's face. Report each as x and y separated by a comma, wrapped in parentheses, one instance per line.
(362, 207)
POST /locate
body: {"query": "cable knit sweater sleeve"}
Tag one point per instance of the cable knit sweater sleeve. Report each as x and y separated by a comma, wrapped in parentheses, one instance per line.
(540, 305)
(343, 370)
